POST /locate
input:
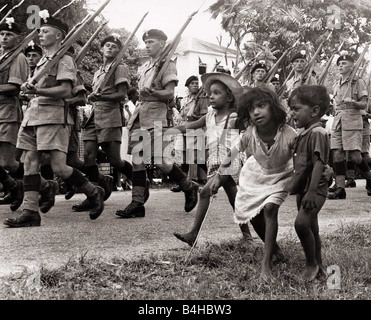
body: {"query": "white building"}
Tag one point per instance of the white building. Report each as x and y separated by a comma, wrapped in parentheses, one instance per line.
(195, 57)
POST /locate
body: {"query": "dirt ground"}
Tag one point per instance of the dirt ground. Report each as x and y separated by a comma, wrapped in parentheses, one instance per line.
(65, 235)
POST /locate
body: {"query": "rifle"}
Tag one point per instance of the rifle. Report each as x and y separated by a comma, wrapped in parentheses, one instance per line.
(85, 48)
(322, 77)
(355, 69)
(163, 61)
(362, 71)
(309, 68)
(282, 88)
(248, 64)
(118, 58)
(10, 11)
(268, 77)
(65, 46)
(12, 54)
(1, 10)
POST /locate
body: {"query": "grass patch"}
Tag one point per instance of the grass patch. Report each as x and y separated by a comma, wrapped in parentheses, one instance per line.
(229, 270)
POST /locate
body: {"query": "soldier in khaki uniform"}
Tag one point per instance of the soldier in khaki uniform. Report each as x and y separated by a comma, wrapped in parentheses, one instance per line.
(45, 128)
(350, 102)
(299, 62)
(11, 78)
(151, 112)
(258, 72)
(104, 127)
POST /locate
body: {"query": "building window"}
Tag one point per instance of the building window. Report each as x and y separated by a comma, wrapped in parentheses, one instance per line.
(202, 68)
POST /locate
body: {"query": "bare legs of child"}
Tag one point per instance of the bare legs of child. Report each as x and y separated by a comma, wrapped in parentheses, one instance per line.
(306, 226)
(266, 226)
(230, 188)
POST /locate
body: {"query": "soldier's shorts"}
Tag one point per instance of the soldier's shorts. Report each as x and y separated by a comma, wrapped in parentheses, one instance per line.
(90, 133)
(9, 132)
(44, 137)
(144, 144)
(366, 136)
(347, 140)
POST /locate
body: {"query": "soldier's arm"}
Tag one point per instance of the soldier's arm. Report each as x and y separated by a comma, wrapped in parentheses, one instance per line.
(63, 91)
(9, 89)
(165, 94)
(120, 95)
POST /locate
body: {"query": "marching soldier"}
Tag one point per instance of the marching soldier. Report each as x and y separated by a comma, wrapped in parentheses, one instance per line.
(258, 72)
(299, 62)
(153, 108)
(347, 128)
(189, 113)
(104, 127)
(11, 78)
(46, 127)
(33, 54)
(276, 83)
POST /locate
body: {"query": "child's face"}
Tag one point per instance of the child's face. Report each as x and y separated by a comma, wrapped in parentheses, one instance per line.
(260, 113)
(301, 113)
(219, 96)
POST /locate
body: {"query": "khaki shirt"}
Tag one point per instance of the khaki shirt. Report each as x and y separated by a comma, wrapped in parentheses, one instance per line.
(351, 119)
(16, 73)
(151, 109)
(47, 110)
(294, 83)
(107, 114)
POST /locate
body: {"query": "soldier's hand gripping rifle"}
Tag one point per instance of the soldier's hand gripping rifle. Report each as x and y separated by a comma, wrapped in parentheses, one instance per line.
(309, 68)
(10, 11)
(272, 71)
(82, 53)
(322, 77)
(65, 46)
(353, 73)
(21, 46)
(164, 60)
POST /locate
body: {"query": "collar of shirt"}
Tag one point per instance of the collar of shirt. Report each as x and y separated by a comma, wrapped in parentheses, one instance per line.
(314, 125)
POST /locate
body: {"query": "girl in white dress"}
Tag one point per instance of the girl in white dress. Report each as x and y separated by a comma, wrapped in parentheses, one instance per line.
(264, 179)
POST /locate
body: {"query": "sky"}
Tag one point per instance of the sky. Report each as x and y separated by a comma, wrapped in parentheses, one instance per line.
(167, 15)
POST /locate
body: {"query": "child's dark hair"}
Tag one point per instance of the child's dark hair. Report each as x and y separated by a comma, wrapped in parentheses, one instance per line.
(264, 95)
(314, 95)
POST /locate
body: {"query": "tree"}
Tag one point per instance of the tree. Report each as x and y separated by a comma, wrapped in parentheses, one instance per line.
(72, 15)
(272, 26)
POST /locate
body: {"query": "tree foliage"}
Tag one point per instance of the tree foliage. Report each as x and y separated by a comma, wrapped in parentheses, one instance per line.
(72, 15)
(272, 26)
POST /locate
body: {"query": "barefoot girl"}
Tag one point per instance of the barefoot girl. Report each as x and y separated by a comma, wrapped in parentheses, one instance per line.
(266, 174)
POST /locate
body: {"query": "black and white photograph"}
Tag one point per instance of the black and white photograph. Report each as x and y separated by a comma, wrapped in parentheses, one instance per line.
(185, 157)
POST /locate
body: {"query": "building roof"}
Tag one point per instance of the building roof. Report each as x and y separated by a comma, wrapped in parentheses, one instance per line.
(198, 45)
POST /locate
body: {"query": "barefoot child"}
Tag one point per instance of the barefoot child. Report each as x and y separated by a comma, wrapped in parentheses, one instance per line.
(224, 92)
(266, 174)
(311, 175)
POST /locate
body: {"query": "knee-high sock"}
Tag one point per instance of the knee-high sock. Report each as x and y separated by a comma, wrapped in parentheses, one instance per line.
(79, 181)
(139, 185)
(339, 169)
(31, 185)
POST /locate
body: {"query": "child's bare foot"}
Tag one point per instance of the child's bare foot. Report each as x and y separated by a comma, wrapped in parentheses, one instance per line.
(310, 273)
(188, 238)
(266, 274)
